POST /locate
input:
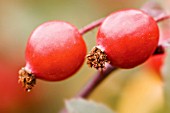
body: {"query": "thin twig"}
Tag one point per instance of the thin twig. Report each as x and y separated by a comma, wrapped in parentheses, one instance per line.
(98, 22)
(162, 18)
(91, 26)
(95, 81)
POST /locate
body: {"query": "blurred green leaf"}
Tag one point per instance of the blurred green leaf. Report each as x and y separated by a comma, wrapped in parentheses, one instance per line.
(166, 74)
(83, 106)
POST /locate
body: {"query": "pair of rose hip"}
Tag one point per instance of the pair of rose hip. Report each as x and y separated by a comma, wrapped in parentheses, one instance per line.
(56, 49)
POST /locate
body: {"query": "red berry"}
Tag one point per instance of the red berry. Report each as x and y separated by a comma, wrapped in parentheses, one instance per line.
(54, 52)
(156, 62)
(128, 37)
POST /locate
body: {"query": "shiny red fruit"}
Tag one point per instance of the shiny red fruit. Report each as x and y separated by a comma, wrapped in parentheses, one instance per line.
(55, 51)
(128, 37)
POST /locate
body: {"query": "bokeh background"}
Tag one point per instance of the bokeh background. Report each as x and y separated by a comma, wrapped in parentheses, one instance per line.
(138, 90)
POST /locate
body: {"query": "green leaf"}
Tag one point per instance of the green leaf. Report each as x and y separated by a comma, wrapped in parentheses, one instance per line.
(83, 106)
(166, 75)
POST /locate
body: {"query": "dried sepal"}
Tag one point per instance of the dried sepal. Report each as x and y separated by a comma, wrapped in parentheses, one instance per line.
(27, 79)
(97, 58)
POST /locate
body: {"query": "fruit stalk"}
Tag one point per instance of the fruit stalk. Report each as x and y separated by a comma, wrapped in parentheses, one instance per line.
(91, 26)
(95, 81)
(165, 17)
(98, 22)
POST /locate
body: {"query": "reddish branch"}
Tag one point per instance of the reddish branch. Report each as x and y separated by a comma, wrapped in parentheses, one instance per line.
(98, 22)
(163, 18)
(95, 81)
(91, 26)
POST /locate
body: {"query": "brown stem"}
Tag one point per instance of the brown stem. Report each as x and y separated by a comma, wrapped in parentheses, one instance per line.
(98, 22)
(95, 81)
(165, 17)
(91, 26)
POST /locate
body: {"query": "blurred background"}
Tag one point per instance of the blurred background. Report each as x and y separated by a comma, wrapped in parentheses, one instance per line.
(138, 90)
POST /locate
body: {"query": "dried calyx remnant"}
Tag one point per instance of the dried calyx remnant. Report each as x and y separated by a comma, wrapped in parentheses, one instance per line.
(97, 58)
(27, 79)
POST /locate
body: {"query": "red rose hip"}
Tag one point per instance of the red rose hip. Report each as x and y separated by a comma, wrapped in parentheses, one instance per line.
(54, 52)
(128, 37)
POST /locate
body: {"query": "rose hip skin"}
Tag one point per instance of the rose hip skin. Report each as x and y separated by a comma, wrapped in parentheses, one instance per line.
(128, 37)
(55, 51)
